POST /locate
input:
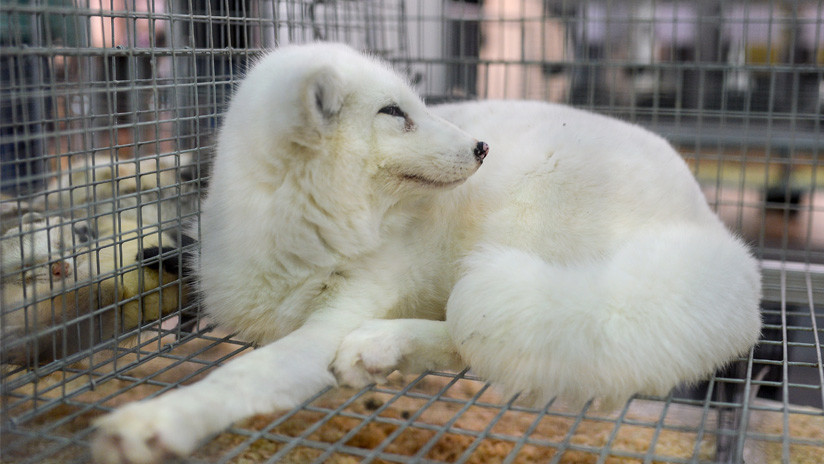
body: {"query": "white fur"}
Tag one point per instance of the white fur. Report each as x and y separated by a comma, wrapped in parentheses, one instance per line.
(580, 260)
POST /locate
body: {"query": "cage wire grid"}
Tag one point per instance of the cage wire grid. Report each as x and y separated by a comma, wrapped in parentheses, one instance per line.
(107, 115)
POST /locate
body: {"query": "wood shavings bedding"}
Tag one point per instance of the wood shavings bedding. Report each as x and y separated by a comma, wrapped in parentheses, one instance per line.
(673, 429)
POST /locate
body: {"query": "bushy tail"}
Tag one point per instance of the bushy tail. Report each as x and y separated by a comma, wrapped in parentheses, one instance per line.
(669, 306)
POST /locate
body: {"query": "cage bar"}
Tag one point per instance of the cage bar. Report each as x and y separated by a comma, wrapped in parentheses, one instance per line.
(108, 112)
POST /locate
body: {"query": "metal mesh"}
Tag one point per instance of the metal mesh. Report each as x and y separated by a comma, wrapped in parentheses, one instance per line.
(107, 117)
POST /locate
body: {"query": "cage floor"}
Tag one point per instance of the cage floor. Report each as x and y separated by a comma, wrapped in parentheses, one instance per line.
(766, 409)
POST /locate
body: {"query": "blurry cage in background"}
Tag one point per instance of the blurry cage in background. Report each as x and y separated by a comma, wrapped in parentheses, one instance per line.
(107, 115)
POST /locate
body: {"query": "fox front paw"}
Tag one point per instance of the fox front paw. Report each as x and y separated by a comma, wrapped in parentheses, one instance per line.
(140, 433)
(367, 355)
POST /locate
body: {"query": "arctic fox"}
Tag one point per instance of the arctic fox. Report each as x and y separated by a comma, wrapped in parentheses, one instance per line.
(351, 231)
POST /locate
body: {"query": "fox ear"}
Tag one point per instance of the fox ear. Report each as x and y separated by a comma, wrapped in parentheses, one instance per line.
(323, 98)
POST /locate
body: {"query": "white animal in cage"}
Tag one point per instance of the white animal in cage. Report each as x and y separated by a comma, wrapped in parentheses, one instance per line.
(56, 275)
(348, 233)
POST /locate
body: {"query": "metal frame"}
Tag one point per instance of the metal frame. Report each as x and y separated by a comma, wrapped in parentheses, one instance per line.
(150, 84)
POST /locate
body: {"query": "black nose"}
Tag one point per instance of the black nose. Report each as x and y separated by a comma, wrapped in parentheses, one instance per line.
(481, 150)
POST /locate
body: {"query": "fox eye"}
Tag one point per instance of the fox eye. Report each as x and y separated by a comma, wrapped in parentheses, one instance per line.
(392, 110)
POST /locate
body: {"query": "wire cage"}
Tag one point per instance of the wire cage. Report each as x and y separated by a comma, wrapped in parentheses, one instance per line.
(108, 111)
